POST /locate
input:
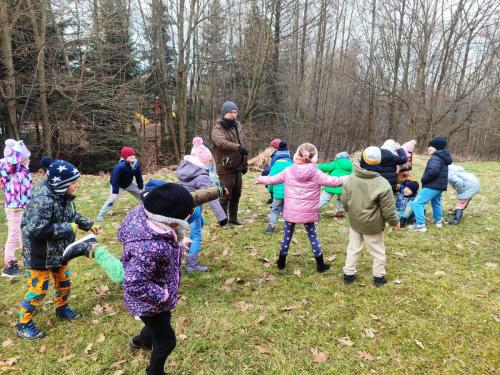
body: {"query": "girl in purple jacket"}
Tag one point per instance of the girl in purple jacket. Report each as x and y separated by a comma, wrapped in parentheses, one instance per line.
(303, 182)
(152, 236)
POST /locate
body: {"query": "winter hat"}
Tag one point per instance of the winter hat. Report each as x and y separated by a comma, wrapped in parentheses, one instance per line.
(306, 153)
(275, 143)
(283, 146)
(390, 145)
(45, 162)
(413, 185)
(60, 174)
(343, 154)
(200, 151)
(409, 146)
(16, 149)
(126, 152)
(371, 155)
(439, 143)
(228, 106)
(168, 200)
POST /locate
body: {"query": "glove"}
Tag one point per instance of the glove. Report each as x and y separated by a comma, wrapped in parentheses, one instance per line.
(223, 222)
(74, 227)
(244, 169)
(242, 150)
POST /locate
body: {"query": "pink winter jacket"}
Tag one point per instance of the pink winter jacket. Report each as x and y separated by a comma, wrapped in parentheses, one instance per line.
(303, 184)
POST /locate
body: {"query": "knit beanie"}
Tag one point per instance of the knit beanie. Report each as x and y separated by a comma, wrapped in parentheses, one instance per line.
(390, 145)
(228, 106)
(200, 151)
(283, 146)
(413, 185)
(16, 149)
(45, 162)
(60, 174)
(168, 200)
(371, 155)
(126, 152)
(343, 154)
(275, 143)
(439, 143)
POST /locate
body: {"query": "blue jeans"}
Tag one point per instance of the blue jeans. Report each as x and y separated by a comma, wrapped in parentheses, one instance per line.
(276, 210)
(196, 222)
(426, 195)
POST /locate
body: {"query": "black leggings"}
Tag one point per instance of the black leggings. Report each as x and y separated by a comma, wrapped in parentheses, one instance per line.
(158, 334)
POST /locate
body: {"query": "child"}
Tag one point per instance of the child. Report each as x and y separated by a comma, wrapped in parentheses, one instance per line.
(282, 162)
(152, 237)
(404, 202)
(434, 182)
(193, 173)
(392, 156)
(303, 182)
(404, 171)
(16, 182)
(121, 180)
(280, 151)
(48, 226)
(340, 166)
(466, 185)
(368, 199)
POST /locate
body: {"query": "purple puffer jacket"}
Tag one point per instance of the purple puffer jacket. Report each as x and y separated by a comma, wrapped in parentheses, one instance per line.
(152, 263)
(193, 176)
(302, 190)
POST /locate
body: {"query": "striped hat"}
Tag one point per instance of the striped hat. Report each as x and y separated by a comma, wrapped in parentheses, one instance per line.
(372, 155)
(60, 174)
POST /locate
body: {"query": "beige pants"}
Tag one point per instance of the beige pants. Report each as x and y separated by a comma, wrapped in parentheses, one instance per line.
(375, 246)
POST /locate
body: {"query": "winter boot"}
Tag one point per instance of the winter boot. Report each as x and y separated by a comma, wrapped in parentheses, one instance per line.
(457, 217)
(28, 331)
(12, 270)
(79, 248)
(66, 313)
(321, 266)
(402, 221)
(349, 279)
(281, 262)
(269, 229)
(192, 264)
(379, 281)
(233, 214)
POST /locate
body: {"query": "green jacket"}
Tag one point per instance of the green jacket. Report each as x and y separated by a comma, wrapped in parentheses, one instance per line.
(368, 199)
(279, 166)
(338, 168)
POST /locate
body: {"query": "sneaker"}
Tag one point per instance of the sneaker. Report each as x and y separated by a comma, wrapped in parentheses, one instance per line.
(135, 346)
(12, 271)
(349, 279)
(379, 281)
(418, 228)
(79, 248)
(269, 230)
(28, 331)
(66, 313)
(439, 224)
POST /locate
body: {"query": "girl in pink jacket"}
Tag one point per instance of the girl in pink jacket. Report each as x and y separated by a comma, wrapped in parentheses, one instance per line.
(303, 182)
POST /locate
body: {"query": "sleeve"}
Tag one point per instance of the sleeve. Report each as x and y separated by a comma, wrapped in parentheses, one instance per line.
(138, 177)
(272, 180)
(388, 207)
(326, 167)
(39, 225)
(325, 180)
(456, 182)
(82, 222)
(219, 139)
(344, 197)
(115, 179)
(401, 158)
(432, 170)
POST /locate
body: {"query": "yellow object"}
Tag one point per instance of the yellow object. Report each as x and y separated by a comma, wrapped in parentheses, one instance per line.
(174, 115)
(141, 118)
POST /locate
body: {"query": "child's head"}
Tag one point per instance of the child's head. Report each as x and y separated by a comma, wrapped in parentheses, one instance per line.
(62, 177)
(410, 188)
(128, 154)
(168, 201)
(370, 157)
(436, 144)
(343, 154)
(306, 153)
(201, 152)
(275, 143)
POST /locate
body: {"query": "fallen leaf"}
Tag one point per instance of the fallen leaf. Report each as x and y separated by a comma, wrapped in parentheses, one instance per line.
(331, 258)
(319, 357)
(117, 365)
(295, 241)
(345, 341)
(400, 254)
(97, 310)
(9, 362)
(242, 306)
(7, 343)
(100, 338)
(264, 260)
(119, 372)
(226, 288)
(365, 355)
(87, 349)
(397, 281)
(42, 349)
(101, 289)
(375, 318)
(491, 265)
(297, 272)
(288, 308)
(369, 332)
(419, 344)
(262, 317)
(439, 273)
(66, 358)
(263, 350)
(182, 337)
(459, 246)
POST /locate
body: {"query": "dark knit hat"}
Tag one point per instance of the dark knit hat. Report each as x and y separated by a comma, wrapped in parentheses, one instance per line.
(228, 106)
(413, 185)
(126, 152)
(169, 200)
(283, 146)
(439, 143)
(60, 174)
(45, 162)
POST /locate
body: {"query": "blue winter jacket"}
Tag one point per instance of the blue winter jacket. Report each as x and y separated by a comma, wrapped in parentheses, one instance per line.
(436, 172)
(388, 165)
(123, 175)
(465, 183)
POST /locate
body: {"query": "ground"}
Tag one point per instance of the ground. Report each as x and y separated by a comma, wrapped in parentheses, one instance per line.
(439, 313)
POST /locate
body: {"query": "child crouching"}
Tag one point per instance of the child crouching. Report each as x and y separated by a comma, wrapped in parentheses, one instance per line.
(408, 191)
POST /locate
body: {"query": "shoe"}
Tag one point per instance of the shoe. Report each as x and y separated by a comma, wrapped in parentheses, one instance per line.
(457, 217)
(99, 218)
(12, 271)
(134, 346)
(28, 331)
(349, 279)
(192, 264)
(269, 229)
(418, 228)
(236, 222)
(321, 266)
(281, 219)
(66, 313)
(379, 281)
(439, 224)
(79, 248)
(225, 226)
(281, 262)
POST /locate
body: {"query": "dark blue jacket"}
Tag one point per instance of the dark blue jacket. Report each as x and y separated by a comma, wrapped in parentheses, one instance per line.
(123, 175)
(388, 165)
(436, 172)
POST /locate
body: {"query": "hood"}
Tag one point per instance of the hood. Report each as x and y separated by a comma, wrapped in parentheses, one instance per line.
(304, 172)
(282, 154)
(365, 173)
(390, 145)
(345, 164)
(135, 228)
(454, 169)
(189, 169)
(409, 146)
(444, 155)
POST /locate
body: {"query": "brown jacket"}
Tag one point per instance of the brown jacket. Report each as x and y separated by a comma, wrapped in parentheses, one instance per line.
(226, 141)
(367, 197)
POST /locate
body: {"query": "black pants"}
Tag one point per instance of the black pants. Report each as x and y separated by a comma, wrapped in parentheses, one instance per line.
(233, 182)
(158, 334)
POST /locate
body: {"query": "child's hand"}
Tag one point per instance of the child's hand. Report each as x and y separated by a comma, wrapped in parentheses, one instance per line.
(186, 243)
(96, 230)
(398, 226)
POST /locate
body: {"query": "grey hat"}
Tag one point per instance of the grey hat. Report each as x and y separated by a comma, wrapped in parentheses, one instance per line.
(228, 106)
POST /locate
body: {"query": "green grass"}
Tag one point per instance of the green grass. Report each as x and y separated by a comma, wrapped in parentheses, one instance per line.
(429, 323)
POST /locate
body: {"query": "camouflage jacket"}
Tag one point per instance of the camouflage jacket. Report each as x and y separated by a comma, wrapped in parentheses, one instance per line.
(46, 227)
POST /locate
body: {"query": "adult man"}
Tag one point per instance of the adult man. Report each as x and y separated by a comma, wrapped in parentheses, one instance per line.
(230, 157)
